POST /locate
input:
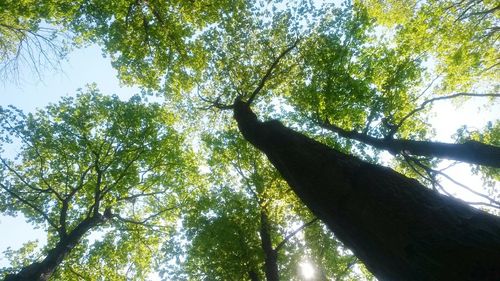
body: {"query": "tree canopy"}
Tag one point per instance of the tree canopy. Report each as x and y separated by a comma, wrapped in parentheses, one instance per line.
(174, 187)
(95, 164)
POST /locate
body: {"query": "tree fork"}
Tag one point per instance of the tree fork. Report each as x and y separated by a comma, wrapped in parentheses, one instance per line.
(41, 271)
(397, 227)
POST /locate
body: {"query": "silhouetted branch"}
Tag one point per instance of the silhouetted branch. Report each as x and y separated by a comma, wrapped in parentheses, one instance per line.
(33, 47)
(422, 106)
(29, 204)
(214, 103)
(470, 151)
(269, 71)
(432, 172)
(293, 233)
(80, 276)
(468, 188)
(143, 222)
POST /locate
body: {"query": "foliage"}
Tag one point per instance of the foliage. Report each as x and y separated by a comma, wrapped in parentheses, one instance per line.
(149, 41)
(364, 65)
(219, 238)
(458, 36)
(490, 134)
(21, 257)
(28, 39)
(95, 155)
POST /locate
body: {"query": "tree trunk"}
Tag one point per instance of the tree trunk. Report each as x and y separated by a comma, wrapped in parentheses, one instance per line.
(470, 151)
(252, 274)
(270, 255)
(397, 227)
(41, 271)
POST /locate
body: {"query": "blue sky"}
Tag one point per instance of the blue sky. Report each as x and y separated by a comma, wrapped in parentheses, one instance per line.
(83, 66)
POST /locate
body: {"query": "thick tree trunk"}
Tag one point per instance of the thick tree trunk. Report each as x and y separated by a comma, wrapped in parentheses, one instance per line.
(471, 151)
(397, 227)
(270, 255)
(41, 271)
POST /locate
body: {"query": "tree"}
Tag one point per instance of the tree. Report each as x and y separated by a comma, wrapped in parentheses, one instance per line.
(94, 164)
(459, 35)
(302, 63)
(397, 227)
(157, 41)
(29, 38)
(152, 34)
(248, 226)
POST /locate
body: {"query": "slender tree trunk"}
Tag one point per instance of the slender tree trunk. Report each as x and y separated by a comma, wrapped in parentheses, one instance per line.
(471, 151)
(252, 274)
(41, 271)
(397, 227)
(270, 254)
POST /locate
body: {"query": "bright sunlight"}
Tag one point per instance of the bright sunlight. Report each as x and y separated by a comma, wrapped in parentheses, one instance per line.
(306, 270)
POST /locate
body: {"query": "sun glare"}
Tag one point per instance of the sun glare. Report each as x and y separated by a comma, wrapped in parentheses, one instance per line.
(307, 270)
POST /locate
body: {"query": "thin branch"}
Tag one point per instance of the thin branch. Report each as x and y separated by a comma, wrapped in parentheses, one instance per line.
(31, 205)
(431, 171)
(247, 183)
(483, 12)
(81, 183)
(29, 185)
(428, 87)
(289, 236)
(269, 71)
(422, 106)
(29, 41)
(72, 270)
(135, 196)
(409, 162)
(431, 175)
(492, 66)
(124, 172)
(215, 103)
(144, 221)
(468, 188)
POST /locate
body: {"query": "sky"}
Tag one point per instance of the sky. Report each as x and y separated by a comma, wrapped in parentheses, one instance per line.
(85, 66)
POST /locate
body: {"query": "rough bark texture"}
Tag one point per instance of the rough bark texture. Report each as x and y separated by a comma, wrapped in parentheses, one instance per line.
(41, 271)
(470, 151)
(270, 255)
(397, 227)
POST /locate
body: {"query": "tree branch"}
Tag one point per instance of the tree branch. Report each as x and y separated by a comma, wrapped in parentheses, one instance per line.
(27, 184)
(433, 172)
(135, 196)
(31, 205)
(144, 221)
(269, 71)
(293, 233)
(422, 106)
(124, 172)
(470, 151)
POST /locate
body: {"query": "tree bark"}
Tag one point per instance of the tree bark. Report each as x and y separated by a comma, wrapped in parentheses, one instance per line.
(470, 151)
(252, 274)
(397, 227)
(270, 254)
(41, 271)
